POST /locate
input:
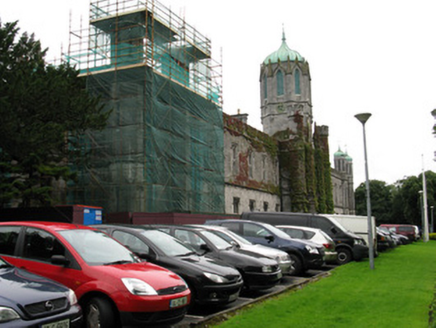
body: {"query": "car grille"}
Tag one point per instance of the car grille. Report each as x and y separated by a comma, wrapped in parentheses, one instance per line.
(41, 309)
(172, 290)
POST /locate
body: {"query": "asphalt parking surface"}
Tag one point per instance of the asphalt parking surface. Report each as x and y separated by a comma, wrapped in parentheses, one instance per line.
(202, 316)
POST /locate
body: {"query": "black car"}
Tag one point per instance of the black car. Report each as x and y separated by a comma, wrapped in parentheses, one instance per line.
(305, 254)
(258, 272)
(211, 281)
(29, 300)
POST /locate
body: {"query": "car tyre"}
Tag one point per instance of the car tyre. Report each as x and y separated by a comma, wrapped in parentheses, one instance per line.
(344, 256)
(297, 265)
(99, 313)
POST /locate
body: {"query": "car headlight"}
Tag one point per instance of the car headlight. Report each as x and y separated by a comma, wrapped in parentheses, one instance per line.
(138, 287)
(358, 242)
(216, 278)
(72, 297)
(267, 269)
(283, 259)
(311, 250)
(8, 314)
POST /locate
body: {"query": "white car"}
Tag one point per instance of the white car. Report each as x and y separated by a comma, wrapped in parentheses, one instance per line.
(281, 257)
(316, 235)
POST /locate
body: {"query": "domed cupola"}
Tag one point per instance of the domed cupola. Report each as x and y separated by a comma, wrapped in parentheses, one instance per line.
(286, 97)
(284, 53)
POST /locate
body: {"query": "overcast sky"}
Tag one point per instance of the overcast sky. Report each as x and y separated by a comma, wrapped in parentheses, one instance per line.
(376, 56)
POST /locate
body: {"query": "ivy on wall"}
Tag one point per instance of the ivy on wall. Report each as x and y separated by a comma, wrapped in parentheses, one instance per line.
(259, 142)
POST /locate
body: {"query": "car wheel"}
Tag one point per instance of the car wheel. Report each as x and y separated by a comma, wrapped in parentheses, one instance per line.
(99, 313)
(344, 256)
(297, 265)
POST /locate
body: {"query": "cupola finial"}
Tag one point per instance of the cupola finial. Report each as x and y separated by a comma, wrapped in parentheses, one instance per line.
(283, 33)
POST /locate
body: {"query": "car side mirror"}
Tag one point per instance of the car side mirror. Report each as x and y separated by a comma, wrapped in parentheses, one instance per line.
(146, 256)
(205, 248)
(270, 238)
(59, 260)
(333, 229)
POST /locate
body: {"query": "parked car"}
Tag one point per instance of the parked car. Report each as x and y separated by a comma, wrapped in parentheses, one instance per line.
(282, 258)
(315, 235)
(211, 281)
(348, 245)
(384, 240)
(397, 238)
(407, 230)
(304, 254)
(259, 272)
(113, 286)
(29, 300)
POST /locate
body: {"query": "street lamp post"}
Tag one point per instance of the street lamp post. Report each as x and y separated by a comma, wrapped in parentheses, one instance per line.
(363, 117)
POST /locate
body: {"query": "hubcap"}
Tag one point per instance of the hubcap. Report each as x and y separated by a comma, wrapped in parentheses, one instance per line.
(93, 316)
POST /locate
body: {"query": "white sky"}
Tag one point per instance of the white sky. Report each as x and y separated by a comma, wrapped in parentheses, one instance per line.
(376, 56)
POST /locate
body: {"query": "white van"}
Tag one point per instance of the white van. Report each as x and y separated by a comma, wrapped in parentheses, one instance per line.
(358, 224)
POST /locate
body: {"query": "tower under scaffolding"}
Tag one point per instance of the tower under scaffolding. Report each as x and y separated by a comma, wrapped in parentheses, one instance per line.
(162, 150)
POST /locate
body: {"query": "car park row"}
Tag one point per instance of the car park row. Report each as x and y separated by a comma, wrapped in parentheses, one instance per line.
(136, 275)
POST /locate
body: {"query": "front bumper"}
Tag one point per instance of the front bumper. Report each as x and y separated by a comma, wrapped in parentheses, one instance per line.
(360, 252)
(257, 280)
(218, 294)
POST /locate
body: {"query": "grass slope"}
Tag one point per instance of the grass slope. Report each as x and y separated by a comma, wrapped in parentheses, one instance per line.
(397, 293)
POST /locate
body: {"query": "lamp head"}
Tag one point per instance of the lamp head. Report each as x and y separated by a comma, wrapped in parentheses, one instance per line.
(363, 117)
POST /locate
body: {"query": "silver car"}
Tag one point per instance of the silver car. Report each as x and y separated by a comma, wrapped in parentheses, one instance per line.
(316, 235)
(281, 257)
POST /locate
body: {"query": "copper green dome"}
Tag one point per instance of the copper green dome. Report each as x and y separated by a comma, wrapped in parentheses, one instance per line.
(340, 153)
(283, 54)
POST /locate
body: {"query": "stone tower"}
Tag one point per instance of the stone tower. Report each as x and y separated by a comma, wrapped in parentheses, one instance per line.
(286, 114)
(286, 100)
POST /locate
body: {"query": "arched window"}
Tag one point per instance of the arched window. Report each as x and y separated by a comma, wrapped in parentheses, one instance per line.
(280, 89)
(265, 86)
(297, 82)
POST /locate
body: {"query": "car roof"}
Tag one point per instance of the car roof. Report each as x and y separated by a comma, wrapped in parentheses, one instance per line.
(48, 225)
(298, 227)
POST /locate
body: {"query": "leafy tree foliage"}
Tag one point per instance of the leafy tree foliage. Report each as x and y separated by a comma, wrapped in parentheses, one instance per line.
(42, 109)
(381, 200)
(398, 203)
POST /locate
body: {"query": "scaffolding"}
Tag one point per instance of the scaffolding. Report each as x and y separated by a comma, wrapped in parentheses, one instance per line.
(162, 150)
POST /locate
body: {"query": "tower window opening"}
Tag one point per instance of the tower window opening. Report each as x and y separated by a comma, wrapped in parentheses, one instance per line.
(280, 83)
(265, 86)
(297, 82)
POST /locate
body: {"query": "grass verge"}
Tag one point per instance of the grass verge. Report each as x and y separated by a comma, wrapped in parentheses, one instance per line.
(398, 293)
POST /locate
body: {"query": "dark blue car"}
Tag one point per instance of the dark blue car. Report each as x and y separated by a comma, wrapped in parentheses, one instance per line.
(29, 300)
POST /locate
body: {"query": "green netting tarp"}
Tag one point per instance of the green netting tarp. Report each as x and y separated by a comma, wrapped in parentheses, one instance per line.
(162, 150)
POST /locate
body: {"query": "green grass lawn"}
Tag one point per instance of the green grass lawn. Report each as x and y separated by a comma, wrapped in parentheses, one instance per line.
(397, 293)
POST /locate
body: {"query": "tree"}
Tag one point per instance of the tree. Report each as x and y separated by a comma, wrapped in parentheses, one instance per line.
(42, 108)
(381, 196)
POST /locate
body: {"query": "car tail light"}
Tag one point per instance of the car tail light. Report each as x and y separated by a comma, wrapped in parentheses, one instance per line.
(328, 246)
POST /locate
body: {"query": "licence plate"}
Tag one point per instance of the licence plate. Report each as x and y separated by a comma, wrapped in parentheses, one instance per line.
(233, 297)
(58, 324)
(179, 302)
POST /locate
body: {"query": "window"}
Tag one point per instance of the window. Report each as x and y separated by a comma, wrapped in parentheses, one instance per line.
(264, 172)
(265, 206)
(252, 205)
(8, 239)
(265, 86)
(253, 230)
(280, 84)
(297, 82)
(41, 245)
(236, 205)
(132, 242)
(190, 238)
(232, 226)
(234, 159)
(277, 207)
(250, 165)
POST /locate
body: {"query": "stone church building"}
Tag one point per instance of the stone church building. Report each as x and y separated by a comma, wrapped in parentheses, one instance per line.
(286, 167)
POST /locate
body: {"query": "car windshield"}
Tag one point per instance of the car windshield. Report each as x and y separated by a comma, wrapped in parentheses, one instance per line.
(276, 231)
(97, 248)
(169, 245)
(230, 235)
(339, 225)
(3, 263)
(217, 241)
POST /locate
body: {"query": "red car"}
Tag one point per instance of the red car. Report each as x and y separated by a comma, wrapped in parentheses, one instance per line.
(113, 285)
